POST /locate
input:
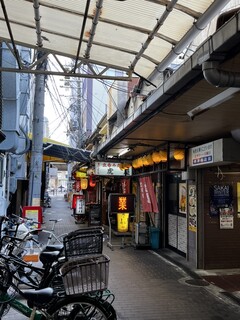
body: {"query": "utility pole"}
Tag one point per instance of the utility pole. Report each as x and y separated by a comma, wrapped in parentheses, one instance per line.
(35, 180)
(79, 114)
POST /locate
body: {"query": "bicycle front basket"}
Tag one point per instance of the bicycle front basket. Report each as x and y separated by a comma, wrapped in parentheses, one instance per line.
(83, 242)
(86, 274)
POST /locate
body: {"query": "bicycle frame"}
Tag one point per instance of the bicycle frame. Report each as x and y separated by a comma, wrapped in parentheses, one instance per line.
(22, 308)
(51, 233)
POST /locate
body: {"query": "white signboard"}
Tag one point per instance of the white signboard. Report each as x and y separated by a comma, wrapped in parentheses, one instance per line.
(80, 206)
(110, 169)
(202, 154)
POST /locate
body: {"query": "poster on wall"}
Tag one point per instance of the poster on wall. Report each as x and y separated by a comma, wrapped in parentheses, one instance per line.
(220, 198)
(192, 208)
(183, 198)
(226, 218)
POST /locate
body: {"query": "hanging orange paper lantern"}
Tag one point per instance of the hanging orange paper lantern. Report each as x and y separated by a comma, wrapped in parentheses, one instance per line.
(156, 157)
(148, 161)
(124, 166)
(163, 155)
(140, 162)
(120, 166)
(135, 164)
(127, 166)
(145, 161)
(178, 154)
(84, 183)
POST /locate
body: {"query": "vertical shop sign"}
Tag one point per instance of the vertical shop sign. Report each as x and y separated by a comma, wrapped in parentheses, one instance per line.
(145, 197)
(80, 205)
(220, 198)
(192, 208)
(152, 194)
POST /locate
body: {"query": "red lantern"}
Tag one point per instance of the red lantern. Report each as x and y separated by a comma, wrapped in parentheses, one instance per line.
(77, 186)
(92, 181)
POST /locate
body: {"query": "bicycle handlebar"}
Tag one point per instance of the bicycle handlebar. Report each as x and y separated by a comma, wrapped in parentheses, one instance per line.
(25, 219)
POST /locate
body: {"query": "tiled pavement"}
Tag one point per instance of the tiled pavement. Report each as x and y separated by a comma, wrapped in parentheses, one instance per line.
(148, 286)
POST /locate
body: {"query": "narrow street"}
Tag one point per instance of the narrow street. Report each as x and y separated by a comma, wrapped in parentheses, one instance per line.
(146, 285)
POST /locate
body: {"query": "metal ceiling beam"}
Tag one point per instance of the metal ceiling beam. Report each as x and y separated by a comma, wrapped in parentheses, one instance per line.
(26, 68)
(15, 51)
(82, 33)
(154, 31)
(94, 27)
(197, 27)
(67, 74)
(178, 7)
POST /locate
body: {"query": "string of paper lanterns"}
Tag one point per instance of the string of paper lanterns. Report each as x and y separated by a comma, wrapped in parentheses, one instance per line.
(150, 159)
(178, 154)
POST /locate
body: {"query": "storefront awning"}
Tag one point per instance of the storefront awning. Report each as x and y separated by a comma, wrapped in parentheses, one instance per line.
(66, 153)
(54, 151)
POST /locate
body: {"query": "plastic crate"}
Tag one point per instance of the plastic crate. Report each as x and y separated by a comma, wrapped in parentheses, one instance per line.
(83, 242)
(85, 274)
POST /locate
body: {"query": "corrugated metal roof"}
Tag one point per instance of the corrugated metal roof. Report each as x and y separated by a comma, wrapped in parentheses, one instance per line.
(131, 35)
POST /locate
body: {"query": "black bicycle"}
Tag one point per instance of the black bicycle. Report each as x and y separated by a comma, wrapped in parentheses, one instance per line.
(75, 282)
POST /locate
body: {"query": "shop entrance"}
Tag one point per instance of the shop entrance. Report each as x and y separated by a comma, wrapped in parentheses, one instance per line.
(176, 213)
(221, 218)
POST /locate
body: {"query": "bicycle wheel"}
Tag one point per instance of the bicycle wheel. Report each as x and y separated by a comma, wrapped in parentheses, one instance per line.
(79, 307)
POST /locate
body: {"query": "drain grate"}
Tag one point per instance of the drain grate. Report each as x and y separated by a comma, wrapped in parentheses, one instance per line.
(197, 282)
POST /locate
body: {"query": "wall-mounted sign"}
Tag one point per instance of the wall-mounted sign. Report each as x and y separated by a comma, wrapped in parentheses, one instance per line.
(111, 169)
(120, 202)
(201, 154)
(226, 218)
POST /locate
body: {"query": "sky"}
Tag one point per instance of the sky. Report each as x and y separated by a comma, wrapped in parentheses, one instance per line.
(58, 100)
(56, 105)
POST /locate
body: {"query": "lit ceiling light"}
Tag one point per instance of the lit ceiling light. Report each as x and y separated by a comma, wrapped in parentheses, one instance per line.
(123, 151)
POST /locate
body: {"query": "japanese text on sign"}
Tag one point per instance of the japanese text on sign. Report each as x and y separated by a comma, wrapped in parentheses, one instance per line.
(120, 203)
(202, 154)
(110, 169)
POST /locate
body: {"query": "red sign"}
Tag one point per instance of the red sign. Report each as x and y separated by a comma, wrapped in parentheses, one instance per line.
(34, 213)
(144, 195)
(152, 194)
(147, 195)
(75, 198)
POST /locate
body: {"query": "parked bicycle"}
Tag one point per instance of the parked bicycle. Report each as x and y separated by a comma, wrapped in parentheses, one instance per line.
(89, 274)
(47, 303)
(52, 237)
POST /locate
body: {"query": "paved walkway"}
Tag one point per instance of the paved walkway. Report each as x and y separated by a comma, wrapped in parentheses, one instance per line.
(147, 285)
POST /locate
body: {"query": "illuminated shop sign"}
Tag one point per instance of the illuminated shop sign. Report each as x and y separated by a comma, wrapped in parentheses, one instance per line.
(119, 202)
(110, 169)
